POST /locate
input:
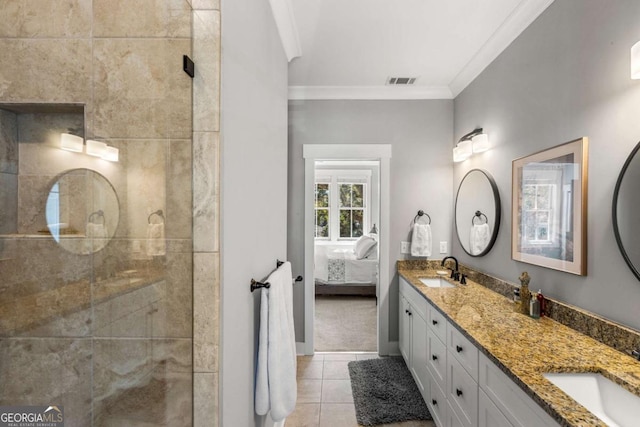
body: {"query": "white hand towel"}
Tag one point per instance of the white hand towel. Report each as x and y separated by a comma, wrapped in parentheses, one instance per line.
(276, 387)
(479, 238)
(156, 245)
(421, 240)
(97, 236)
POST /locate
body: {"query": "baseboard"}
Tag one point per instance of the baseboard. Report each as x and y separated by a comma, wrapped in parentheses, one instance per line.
(300, 348)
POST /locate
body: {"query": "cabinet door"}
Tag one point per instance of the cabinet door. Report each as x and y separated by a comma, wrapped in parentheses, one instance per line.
(462, 393)
(437, 403)
(419, 352)
(489, 415)
(405, 331)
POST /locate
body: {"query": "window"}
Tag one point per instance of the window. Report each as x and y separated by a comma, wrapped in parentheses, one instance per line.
(538, 201)
(351, 210)
(322, 206)
(341, 204)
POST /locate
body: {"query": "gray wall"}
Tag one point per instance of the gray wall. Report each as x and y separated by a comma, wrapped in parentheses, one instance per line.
(566, 76)
(421, 171)
(253, 185)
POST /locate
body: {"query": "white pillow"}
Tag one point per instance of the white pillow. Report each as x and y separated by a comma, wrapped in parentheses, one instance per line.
(364, 246)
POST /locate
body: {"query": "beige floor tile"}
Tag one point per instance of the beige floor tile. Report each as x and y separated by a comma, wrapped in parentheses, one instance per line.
(336, 391)
(318, 357)
(336, 370)
(305, 415)
(309, 391)
(339, 356)
(410, 424)
(338, 415)
(310, 371)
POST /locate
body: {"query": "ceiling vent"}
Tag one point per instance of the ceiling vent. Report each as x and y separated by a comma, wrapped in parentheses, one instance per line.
(401, 81)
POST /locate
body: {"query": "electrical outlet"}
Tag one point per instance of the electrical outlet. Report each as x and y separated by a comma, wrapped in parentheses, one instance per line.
(443, 247)
(404, 248)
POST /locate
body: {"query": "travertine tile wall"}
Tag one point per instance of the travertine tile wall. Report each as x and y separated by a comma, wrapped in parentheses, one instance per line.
(206, 208)
(124, 63)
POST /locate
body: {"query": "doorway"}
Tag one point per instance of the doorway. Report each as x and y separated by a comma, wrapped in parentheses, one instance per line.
(346, 211)
(346, 193)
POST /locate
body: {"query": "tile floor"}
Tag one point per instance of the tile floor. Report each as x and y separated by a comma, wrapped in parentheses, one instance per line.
(324, 393)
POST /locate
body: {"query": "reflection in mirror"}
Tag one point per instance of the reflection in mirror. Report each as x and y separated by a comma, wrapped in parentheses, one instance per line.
(82, 211)
(477, 212)
(626, 200)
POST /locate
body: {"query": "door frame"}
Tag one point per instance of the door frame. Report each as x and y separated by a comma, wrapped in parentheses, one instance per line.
(381, 153)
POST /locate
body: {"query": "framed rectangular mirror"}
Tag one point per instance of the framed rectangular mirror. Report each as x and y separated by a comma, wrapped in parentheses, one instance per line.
(549, 208)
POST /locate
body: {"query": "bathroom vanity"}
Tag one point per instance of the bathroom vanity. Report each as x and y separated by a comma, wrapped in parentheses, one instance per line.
(479, 363)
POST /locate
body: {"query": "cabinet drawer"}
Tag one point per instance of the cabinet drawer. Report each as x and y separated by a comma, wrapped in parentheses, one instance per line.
(437, 403)
(463, 350)
(511, 400)
(437, 323)
(462, 392)
(417, 301)
(437, 359)
(453, 420)
(488, 414)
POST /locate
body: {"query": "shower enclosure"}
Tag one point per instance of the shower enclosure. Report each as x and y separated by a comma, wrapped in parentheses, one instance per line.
(96, 255)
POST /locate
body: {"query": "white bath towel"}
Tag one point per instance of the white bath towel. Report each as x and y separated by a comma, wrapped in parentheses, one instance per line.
(479, 238)
(156, 244)
(276, 386)
(97, 237)
(421, 240)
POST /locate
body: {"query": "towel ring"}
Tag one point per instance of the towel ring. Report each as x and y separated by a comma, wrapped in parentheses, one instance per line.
(420, 214)
(479, 216)
(158, 212)
(99, 213)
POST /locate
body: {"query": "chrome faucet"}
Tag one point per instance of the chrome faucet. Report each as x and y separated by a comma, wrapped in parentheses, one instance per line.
(455, 274)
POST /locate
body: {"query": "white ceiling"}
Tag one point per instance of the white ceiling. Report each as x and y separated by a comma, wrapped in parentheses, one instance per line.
(349, 48)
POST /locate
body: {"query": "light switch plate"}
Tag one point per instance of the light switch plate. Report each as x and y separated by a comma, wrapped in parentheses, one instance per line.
(404, 248)
(443, 247)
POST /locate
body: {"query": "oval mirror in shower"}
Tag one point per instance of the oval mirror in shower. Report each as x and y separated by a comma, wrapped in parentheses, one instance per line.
(626, 197)
(477, 212)
(82, 211)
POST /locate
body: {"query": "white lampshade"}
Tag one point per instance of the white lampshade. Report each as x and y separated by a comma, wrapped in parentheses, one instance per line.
(480, 143)
(462, 151)
(635, 61)
(71, 142)
(96, 148)
(111, 154)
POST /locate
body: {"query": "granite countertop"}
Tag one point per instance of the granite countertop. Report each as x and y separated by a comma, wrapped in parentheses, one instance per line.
(524, 348)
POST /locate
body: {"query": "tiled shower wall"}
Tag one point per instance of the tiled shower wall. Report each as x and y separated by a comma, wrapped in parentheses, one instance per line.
(206, 209)
(118, 356)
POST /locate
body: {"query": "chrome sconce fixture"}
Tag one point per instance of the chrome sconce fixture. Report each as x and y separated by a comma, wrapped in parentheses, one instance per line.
(471, 143)
(71, 142)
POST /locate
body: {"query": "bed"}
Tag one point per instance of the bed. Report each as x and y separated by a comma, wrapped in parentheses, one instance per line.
(338, 271)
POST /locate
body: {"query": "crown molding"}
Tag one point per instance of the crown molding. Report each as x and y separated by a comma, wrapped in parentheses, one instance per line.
(368, 92)
(287, 28)
(511, 28)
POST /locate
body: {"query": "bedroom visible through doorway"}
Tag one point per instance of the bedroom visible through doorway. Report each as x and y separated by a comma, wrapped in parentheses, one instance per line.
(346, 254)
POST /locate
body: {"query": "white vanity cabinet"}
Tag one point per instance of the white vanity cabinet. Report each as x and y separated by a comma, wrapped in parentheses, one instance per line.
(413, 334)
(461, 386)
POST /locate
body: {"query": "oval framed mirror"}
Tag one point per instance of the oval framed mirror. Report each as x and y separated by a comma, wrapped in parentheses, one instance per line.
(82, 211)
(477, 212)
(626, 197)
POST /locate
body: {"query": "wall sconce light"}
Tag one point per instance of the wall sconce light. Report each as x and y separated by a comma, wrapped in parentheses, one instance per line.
(635, 61)
(111, 153)
(71, 142)
(471, 143)
(96, 148)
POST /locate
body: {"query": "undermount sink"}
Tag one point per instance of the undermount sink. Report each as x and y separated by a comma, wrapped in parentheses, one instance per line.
(607, 400)
(437, 282)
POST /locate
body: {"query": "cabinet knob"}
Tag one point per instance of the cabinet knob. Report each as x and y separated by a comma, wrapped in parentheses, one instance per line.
(406, 311)
(434, 402)
(459, 349)
(435, 322)
(459, 392)
(410, 313)
(434, 357)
